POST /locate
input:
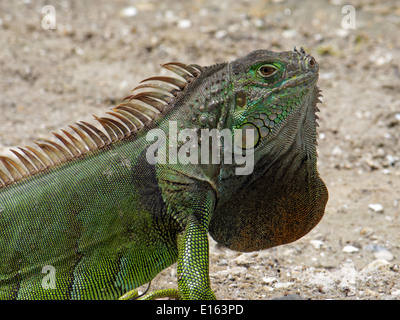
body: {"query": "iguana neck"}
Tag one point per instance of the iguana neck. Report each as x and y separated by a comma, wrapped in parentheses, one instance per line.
(207, 99)
(299, 132)
(283, 199)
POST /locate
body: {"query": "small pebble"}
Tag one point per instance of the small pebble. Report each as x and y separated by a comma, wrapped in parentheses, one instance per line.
(291, 33)
(374, 247)
(129, 12)
(350, 249)
(336, 151)
(283, 285)
(395, 292)
(269, 280)
(220, 34)
(376, 207)
(317, 244)
(184, 24)
(366, 232)
(384, 255)
(374, 265)
(243, 260)
(390, 159)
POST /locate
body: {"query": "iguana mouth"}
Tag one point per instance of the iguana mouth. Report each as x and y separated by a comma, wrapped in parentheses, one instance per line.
(309, 77)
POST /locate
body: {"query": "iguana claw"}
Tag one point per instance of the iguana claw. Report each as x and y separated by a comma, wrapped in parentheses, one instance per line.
(158, 294)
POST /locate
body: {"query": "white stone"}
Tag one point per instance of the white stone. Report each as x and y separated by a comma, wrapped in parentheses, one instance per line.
(395, 292)
(184, 24)
(337, 151)
(376, 207)
(269, 280)
(384, 255)
(374, 265)
(350, 249)
(283, 285)
(317, 244)
(129, 12)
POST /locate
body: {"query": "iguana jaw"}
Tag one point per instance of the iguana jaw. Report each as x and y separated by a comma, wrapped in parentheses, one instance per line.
(298, 128)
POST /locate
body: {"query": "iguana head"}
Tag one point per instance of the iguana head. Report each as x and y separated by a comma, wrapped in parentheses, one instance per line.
(275, 96)
(268, 87)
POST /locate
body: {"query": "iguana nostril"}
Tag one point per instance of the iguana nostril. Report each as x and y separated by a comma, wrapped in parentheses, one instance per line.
(310, 62)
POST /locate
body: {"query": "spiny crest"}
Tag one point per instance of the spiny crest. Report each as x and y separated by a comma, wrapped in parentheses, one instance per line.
(151, 98)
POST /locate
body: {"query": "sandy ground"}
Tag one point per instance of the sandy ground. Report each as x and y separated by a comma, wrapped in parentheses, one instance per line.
(100, 50)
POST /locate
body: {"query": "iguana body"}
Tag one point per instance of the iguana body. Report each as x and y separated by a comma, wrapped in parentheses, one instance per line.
(108, 220)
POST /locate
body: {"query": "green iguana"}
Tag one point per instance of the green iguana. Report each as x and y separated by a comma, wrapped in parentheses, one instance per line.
(107, 208)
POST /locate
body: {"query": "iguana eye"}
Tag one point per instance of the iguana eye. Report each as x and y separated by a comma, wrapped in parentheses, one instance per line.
(267, 71)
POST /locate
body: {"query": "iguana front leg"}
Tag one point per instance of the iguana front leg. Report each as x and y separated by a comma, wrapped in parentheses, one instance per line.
(193, 261)
(193, 211)
(191, 201)
(193, 271)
